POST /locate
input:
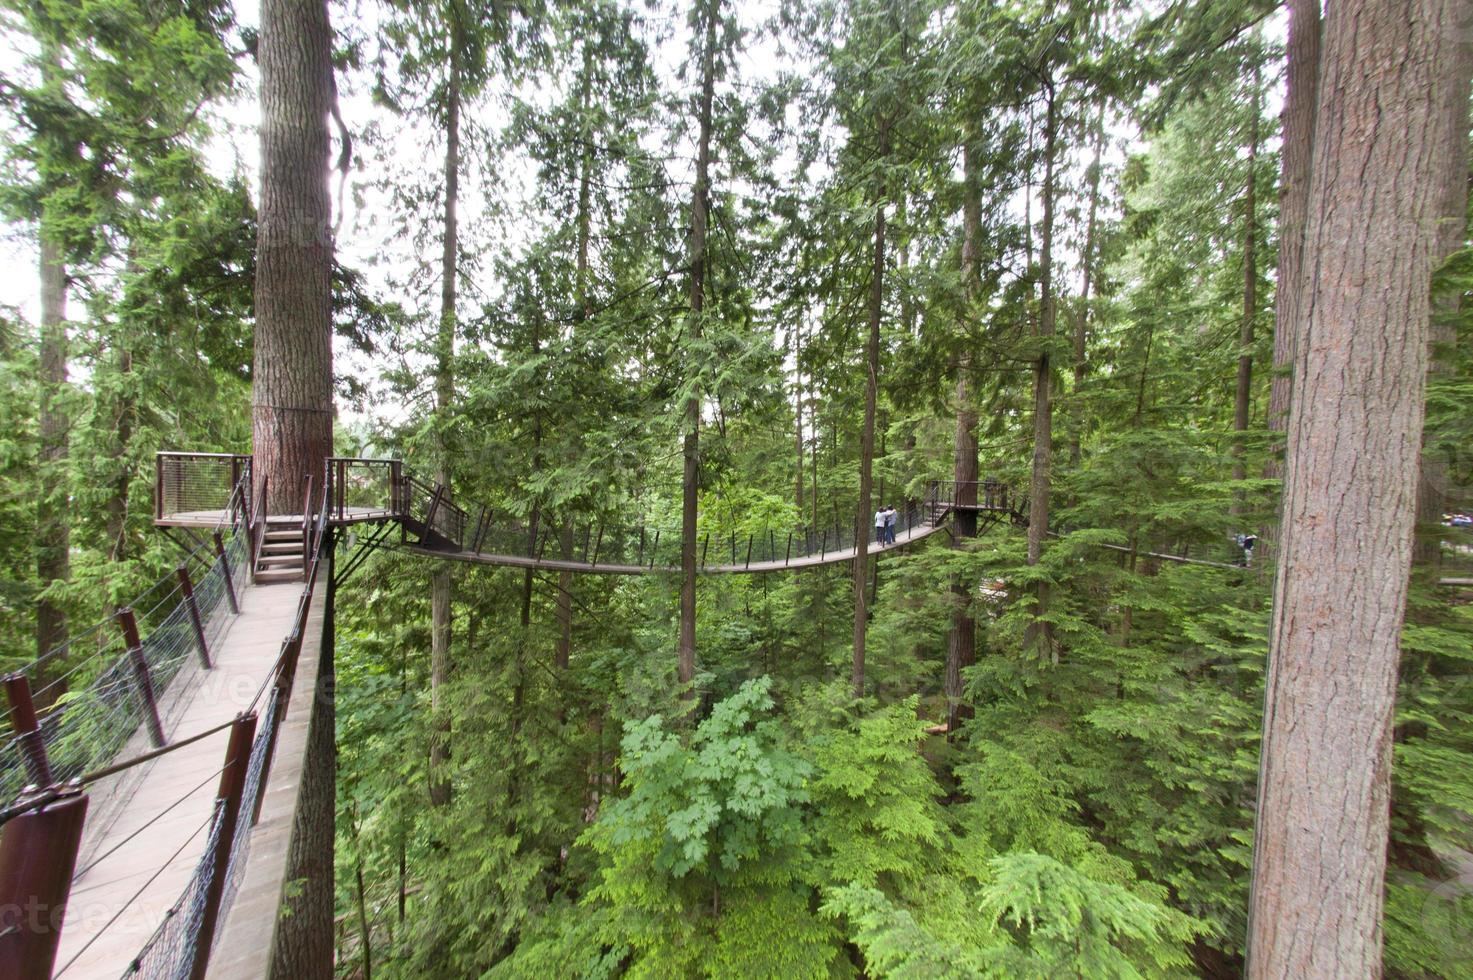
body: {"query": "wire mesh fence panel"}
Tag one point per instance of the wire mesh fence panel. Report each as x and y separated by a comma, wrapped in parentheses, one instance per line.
(190, 484)
(364, 488)
(170, 952)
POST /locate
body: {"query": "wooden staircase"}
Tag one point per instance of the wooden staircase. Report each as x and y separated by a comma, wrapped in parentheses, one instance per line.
(280, 558)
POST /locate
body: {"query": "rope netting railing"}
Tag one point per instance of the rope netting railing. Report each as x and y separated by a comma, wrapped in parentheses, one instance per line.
(173, 948)
(88, 706)
(190, 929)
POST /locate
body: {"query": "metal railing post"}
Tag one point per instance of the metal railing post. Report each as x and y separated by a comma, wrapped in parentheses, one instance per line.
(788, 556)
(28, 729)
(225, 574)
(232, 787)
(141, 679)
(705, 545)
(749, 551)
(38, 854)
(598, 542)
(158, 486)
(192, 605)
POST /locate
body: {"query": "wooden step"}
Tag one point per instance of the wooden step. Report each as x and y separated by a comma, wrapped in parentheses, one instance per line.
(279, 561)
(278, 575)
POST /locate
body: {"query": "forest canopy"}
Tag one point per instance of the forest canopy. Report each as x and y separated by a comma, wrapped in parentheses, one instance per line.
(733, 272)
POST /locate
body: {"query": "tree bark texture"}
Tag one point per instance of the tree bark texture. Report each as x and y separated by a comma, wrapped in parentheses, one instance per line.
(1355, 424)
(1298, 123)
(1041, 484)
(441, 586)
(864, 522)
(292, 394)
(690, 482)
(961, 646)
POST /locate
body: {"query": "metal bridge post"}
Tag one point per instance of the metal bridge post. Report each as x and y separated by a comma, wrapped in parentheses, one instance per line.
(194, 618)
(27, 729)
(141, 680)
(749, 551)
(225, 572)
(598, 542)
(705, 544)
(232, 787)
(38, 854)
(789, 555)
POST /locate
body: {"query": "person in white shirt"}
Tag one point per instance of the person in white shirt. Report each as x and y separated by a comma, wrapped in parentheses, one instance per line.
(880, 526)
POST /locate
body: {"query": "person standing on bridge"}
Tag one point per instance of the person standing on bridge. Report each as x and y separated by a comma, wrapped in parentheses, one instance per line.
(890, 517)
(880, 527)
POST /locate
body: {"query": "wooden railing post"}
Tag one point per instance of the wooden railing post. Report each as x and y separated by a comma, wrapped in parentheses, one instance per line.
(225, 574)
(187, 587)
(27, 729)
(38, 854)
(232, 787)
(141, 679)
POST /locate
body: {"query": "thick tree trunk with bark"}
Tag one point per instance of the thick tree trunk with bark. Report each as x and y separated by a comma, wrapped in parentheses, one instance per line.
(690, 482)
(292, 394)
(1355, 425)
(961, 646)
(864, 518)
(53, 534)
(1298, 124)
(441, 595)
(1040, 634)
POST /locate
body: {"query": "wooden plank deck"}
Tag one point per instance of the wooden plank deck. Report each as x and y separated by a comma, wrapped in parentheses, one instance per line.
(137, 820)
(740, 568)
(211, 519)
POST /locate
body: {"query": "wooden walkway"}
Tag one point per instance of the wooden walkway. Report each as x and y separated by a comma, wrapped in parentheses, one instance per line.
(139, 818)
(837, 557)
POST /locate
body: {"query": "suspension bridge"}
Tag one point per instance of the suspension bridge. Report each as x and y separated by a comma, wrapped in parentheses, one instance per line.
(160, 764)
(170, 768)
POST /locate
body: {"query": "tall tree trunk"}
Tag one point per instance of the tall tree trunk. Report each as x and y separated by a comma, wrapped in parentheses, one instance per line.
(441, 597)
(1355, 424)
(1040, 634)
(563, 649)
(1452, 234)
(115, 510)
(798, 416)
(1298, 124)
(863, 521)
(690, 482)
(961, 646)
(292, 396)
(1087, 265)
(53, 534)
(1243, 399)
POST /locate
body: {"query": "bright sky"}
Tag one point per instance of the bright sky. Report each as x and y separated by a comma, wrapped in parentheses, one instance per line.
(366, 241)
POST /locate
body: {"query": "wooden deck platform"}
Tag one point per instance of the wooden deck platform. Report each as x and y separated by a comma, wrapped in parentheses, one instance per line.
(210, 519)
(139, 818)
